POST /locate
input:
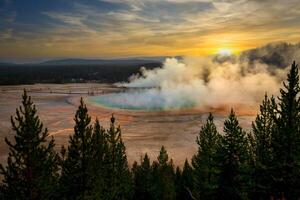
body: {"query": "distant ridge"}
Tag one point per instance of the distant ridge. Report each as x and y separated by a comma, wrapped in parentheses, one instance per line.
(74, 71)
(77, 61)
(100, 61)
(6, 63)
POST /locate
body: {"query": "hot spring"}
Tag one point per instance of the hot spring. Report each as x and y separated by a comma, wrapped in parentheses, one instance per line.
(141, 99)
(195, 83)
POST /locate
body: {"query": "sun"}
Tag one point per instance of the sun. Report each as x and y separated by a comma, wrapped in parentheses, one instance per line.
(224, 52)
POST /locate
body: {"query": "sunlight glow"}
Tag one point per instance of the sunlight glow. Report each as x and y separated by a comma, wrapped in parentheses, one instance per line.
(225, 52)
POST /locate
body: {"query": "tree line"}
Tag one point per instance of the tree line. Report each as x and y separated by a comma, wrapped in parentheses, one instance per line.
(261, 164)
(81, 73)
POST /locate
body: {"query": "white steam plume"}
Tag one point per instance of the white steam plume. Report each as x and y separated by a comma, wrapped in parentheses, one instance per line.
(201, 82)
(214, 82)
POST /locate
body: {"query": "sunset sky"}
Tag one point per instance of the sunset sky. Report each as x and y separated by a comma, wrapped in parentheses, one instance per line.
(36, 29)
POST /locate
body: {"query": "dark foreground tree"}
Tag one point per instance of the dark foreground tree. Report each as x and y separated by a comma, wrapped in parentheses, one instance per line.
(286, 139)
(184, 182)
(118, 183)
(205, 161)
(142, 177)
(98, 163)
(233, 156)
(164, 176)
(178, 183)
(75, 177)
(261, 138)
(32, 164)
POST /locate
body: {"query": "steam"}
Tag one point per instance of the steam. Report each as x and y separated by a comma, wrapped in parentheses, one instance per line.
(275, 55)
(209, 82)
(200, 82)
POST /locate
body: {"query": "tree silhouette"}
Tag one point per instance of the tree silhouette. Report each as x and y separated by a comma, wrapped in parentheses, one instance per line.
(261, 139)
(119, 183)
(142, 177)
(75, 176)
(233, 156)
(164, 176)
(205, 161)
(32, 164)
(286, 139)
(99, 161)
(185, 183)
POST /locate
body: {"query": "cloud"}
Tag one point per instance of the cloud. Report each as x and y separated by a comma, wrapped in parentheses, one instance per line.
(129, 16)
(274, 55)
(151, 27)
(66, 18)
(6, 35)
(7, 14)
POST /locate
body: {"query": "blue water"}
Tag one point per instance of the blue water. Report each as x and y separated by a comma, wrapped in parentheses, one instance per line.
(149, 101)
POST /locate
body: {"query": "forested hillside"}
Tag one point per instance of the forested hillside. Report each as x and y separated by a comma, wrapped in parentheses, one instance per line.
(70, 72)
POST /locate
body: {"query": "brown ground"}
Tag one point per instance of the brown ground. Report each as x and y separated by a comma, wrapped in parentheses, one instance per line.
(142, 131)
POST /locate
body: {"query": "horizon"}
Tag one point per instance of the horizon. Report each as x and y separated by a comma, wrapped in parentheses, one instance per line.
(224, 52)
(42, 60)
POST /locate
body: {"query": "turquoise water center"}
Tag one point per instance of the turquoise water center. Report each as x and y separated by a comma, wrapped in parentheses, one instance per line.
(149, 100)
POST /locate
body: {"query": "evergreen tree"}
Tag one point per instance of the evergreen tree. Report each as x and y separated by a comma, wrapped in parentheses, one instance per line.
(233, 156)
(261, 138)
(99, 161)
(32, 164)
(165, 176)
(1, 192)
(119, 181)
(157, 184)
(75, 175)
(205, 162)
(286, 139)
(143, 180)
(178, 183)
(185, 186)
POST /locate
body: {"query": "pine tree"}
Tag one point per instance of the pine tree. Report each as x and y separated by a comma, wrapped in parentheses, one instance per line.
(261, 138)
(233, 156)
(185, 188)
(286, 139)
(157, 184)
(1, 193)
(178, 183)
(75, 170)
(32, 164)
(119, 181)
(165, 177)
(205, 161)
(98, 168)
(143, 180)
(163, 157)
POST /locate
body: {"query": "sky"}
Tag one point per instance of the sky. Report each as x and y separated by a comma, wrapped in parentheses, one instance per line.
(39, 29)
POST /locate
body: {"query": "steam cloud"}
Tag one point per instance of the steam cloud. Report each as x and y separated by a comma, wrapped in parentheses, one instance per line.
(212, 81)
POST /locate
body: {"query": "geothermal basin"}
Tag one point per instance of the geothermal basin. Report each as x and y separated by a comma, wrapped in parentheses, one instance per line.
(140, 100)
(145, 124)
